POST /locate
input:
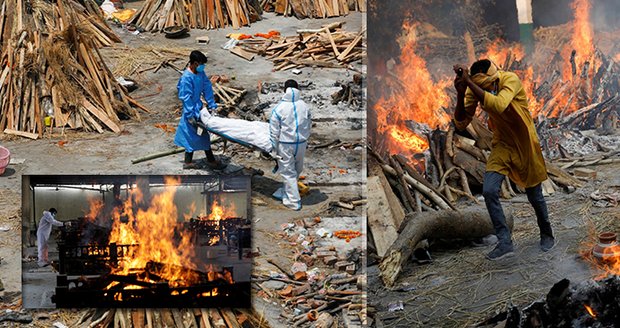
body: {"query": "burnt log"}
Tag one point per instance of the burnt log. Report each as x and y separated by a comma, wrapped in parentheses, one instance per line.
(469, 223)
(470, 164)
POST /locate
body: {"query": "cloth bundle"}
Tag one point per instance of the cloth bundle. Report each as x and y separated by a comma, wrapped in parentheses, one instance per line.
(253, 134)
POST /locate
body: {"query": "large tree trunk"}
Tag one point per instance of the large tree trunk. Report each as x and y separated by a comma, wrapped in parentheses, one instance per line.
(468, 223)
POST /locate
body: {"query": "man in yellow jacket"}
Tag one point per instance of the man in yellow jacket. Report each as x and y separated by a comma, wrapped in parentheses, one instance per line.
(515, 152)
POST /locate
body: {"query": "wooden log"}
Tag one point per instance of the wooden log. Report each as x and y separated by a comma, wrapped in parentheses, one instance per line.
(242, 53)
(463, 144)
(205, 318)
(400, 191)
(449, 141)
(468, 223)
(407, 197)
(230, 318)
(149, 318)
(470, 164)
(559, 176)
(216, 319)
(421, 187)
(137, 318)
(29, 135)
(385, 213)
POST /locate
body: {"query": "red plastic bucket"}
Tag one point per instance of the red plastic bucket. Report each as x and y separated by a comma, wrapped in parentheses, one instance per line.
(5, 158)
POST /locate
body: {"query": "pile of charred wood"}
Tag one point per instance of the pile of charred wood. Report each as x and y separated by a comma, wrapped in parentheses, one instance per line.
(588, 304)
(329, 46)
(52, 67)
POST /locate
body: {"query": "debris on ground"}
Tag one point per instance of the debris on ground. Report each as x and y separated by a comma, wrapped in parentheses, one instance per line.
(329, 46)
(325, 283)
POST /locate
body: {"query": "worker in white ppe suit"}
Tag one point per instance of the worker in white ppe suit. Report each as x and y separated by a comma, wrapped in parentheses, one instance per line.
(289, 129)
(43, 235)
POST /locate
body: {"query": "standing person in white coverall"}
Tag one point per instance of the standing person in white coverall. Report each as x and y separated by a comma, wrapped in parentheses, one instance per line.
(43, 235)
(289, 129)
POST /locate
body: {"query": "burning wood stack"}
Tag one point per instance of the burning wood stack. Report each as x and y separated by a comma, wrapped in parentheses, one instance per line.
(53, 67)
(583, 98)
(157, 15)
(329, 46)
(313, 8)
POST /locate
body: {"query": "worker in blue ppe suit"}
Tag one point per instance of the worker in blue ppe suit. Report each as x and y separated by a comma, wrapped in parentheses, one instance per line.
(289, 129)
(193, 84)
(43, 235)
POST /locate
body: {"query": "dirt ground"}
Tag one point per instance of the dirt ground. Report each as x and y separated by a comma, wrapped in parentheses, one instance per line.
(461, 287)
(330, 172)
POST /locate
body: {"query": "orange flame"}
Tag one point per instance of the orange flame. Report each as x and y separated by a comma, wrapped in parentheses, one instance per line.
(415, 97)
(590, 311)
(220, 213)
(153, 230)
(609, 263)
(408, 140)
(213, 292)
(582, 43)
(498, 51)
(95, 207)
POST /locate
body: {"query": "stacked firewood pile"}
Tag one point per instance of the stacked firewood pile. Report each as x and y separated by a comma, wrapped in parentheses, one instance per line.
(53, 67)
(329, 46)
(86, 12)
(139, 318)
(332, 293)
(422, 205)
(313, 8)
(156, 15)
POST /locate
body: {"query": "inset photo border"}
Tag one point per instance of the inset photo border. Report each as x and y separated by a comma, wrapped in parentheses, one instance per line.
(136, 241)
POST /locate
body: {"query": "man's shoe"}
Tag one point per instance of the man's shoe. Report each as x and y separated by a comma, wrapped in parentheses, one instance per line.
(546, 243)
(216, 165)
(501, 251)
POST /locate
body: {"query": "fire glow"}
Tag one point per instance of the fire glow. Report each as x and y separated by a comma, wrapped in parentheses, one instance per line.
(590, 311)
(415, 97)
(411, 94)
(151, 228)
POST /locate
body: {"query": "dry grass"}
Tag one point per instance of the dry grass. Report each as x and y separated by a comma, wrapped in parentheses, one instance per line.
(131, 62)
(462, 288)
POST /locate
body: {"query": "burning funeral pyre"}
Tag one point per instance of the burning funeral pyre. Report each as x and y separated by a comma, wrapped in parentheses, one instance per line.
(572, 83)
(146, 257)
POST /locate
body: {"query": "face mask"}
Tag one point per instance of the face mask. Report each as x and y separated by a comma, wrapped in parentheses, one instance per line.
(200, 68)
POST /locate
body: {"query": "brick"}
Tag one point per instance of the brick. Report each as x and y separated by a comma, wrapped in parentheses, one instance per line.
(325, 253)
(342, 265)
(330, 260)
(350, 269)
